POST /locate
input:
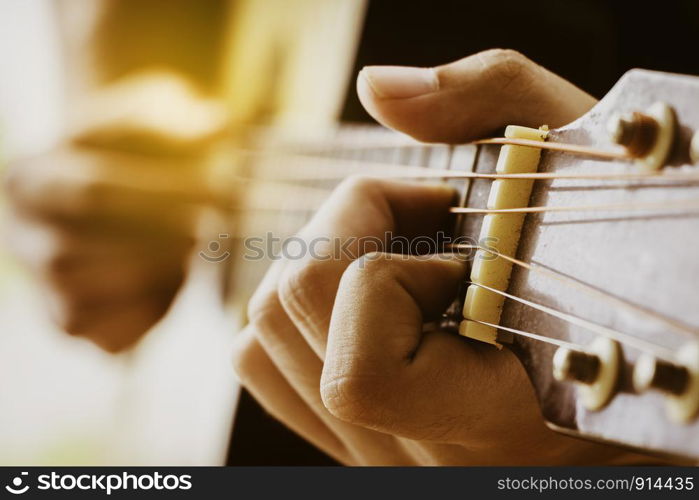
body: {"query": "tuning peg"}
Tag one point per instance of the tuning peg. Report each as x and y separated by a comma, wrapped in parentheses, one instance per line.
(575, 366)
(694, 148)
(679, 381)
(635, 131)
(595, 371)
(652, 373)
(647, 136)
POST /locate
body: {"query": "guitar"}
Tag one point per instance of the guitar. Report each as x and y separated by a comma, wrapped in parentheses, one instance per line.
(600, 306)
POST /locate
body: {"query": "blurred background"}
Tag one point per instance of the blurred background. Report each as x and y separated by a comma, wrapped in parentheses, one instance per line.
(140, 94)
(133, 76)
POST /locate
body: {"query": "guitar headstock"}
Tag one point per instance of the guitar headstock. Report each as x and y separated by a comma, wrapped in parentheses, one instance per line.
(634, 272)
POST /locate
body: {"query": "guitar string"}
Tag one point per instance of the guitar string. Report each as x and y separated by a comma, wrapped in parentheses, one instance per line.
(398, 171)
(621, 337)
(661, 206)
(664, 206)
(274, 197)
(450, 174)
(276, 190)
(559, 146)
(534, 336)
(310, 162)
(668, 321)
(563, 147)
(423, 172)
(588, 289)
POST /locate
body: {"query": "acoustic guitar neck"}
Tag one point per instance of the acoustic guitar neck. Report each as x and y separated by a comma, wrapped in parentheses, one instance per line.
(591, 277)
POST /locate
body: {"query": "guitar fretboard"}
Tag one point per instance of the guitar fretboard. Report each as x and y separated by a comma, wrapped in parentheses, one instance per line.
(324, 162)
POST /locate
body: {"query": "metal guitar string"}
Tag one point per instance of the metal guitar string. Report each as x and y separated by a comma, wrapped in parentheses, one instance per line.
(408, 171)
(621, 337)
(559, 146)
(534, 336)
(664, 206)
(309, 169)
(588, 289)
(556, 146)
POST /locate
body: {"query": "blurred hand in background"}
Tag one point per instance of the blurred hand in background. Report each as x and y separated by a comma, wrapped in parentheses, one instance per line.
(107, 219)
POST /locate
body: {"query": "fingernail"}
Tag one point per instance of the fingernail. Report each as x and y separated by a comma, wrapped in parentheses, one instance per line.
(400, 82)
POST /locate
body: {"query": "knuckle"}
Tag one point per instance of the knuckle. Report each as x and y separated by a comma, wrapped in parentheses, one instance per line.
(73, 323)
(297, 286)
(263, 303)
(246, 352)
(505, 64)
(38, 184)
(80, 195)
(360, 191)
(67, 314)
(57, 255)
(24, 174)
(371, 267)
(379, 402)
(269, 322)
(64, 195)
(59, 266)
(352, 398)
(504, 58)
(359, 185)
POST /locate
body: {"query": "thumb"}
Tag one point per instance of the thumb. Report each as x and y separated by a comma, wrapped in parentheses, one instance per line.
(469, 98)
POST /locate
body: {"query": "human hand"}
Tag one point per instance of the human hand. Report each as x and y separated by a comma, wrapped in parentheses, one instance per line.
(106, 220)
(335, 347)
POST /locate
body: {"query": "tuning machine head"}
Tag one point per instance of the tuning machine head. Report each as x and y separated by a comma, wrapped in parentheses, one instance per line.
(647, 136)
(694, 148)
(595, 371)
(679, 381)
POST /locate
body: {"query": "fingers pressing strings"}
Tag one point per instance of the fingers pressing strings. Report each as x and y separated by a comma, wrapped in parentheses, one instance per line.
(379, 362)
(288, 350)
(362, 217)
